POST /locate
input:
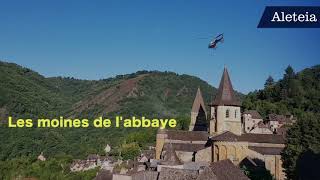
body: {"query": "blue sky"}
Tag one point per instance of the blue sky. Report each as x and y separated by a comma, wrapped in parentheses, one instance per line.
(99, 39)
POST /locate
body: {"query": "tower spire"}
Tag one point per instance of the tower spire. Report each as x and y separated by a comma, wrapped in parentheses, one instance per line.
(198, 102)
(225, 95)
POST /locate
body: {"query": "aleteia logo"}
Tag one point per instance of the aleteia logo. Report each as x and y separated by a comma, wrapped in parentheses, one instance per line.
(282, 17)
(290, 17)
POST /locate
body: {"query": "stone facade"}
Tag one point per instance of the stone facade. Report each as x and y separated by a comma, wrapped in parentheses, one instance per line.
(235, 151)
(250, 119)
(225, 118)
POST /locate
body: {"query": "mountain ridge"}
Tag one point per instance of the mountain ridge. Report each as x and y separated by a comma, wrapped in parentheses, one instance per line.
(26, 93)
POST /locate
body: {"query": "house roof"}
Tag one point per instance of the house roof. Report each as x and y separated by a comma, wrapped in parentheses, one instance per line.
(254, 138)
(267, 150)
(170, 156)
(226, 170)
(262, 125)
(207, 174)
(282, 130)
(93, 157)
(187, 135)
(104, 175)
(152, 175)
(198, 102)
(254, 114)
(177, 174)
(150, 154)
(225, 95)
(282, 119)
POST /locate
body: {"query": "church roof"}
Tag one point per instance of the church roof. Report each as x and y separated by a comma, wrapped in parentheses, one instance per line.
(267, 150)
(187, 135)
(225, 95)
(187, 147)
(198, 102)
(226, 136)
(226, 170)
(253, 138)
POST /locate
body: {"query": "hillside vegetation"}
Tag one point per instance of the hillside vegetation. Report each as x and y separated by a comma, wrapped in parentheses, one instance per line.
(297, 94)
(27, 94)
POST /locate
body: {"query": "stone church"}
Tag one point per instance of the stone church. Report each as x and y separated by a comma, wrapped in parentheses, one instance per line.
(220, 134)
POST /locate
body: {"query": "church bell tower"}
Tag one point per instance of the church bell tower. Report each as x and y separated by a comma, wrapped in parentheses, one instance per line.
(225, 112)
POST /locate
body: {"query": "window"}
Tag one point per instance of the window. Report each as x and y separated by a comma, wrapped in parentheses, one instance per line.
(227, 113)
(235, 114)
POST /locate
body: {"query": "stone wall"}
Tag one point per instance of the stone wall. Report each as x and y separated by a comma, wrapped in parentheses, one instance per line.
(185, 156)
(235, 151)
(231, 123)
(249, 122)
(160, 140)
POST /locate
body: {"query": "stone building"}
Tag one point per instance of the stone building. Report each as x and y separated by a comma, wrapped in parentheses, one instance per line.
(225, 109)
(223, 133)
(250, 119)
(261, 128)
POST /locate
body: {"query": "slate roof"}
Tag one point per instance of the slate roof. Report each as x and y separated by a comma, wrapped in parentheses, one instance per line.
(282, 119)
(282, 131)
(226, 170)
(207, 174)
(267, 150)
(170, 156)
(187, 135)
(254, 114)
(262, 125)
(254, 138)
(187, 147)
(145, 175)
(150, 154)
(263, 138)
(226, 136)
(198, 102)
(93, 157)
(104, 175)
(177, 174)
(225, 95)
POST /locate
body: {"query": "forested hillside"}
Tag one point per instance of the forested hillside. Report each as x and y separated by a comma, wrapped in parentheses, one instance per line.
(297, 94)
(27, 94)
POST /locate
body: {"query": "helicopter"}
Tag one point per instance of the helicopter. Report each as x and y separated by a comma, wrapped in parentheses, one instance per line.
(214, 42)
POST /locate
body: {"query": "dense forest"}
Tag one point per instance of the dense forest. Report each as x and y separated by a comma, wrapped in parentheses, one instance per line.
(27, 94)
(297, 94)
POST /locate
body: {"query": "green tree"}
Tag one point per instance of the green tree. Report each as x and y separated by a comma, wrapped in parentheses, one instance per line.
(130, 150)
(269, 82)
(302, 137)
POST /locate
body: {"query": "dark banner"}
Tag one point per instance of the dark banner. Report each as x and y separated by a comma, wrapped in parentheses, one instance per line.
(290, 17)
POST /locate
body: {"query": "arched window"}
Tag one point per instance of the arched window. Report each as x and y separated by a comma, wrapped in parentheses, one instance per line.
(227, 113)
